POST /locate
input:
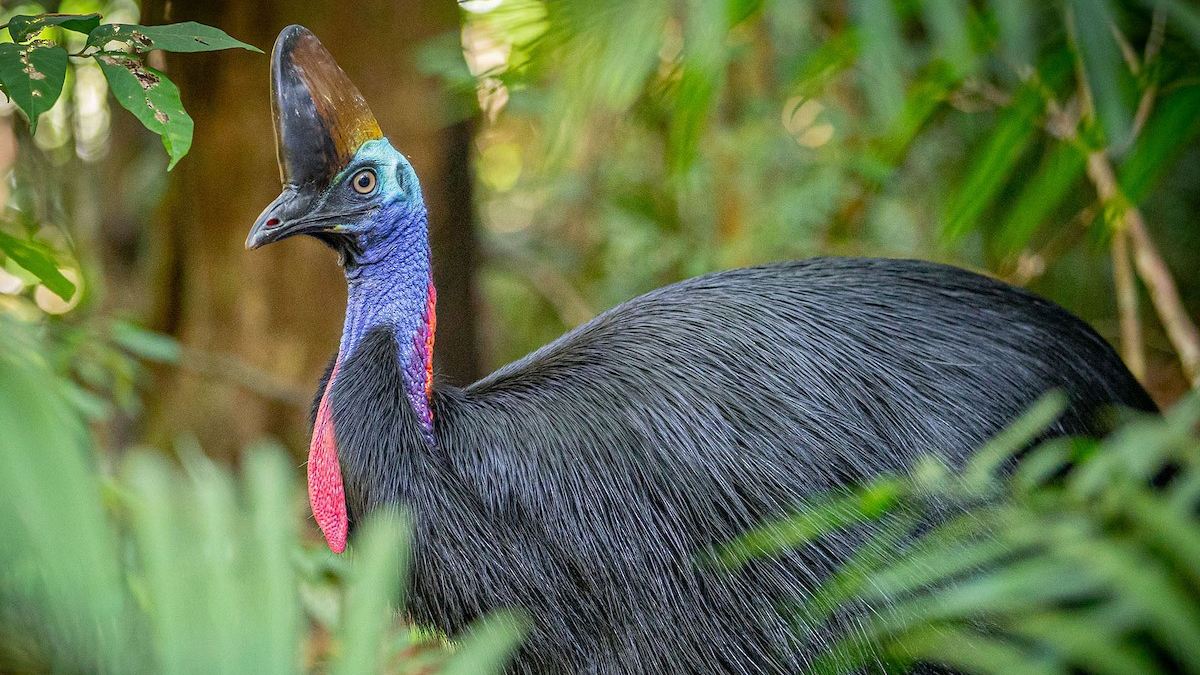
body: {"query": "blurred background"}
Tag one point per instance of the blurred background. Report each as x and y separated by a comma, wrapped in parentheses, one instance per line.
(574, 154)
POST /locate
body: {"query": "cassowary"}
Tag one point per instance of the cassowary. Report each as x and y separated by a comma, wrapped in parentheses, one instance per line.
(582, 484)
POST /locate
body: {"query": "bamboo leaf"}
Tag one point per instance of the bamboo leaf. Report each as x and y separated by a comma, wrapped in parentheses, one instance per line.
(1107, 75)
(993, 164)
(882, 58)
(947, 21)
(1175, 122)
(1060, 169)
(153, 99)
(1017, 23)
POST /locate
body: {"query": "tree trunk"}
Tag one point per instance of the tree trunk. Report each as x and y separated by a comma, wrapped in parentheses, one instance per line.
(258, 327)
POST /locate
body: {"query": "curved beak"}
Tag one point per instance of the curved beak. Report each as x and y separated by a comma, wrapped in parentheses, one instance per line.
(281, 219)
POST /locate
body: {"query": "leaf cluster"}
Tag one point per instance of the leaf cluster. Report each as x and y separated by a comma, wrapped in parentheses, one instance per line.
(33, 69)
(168, 569)
(1084, 558)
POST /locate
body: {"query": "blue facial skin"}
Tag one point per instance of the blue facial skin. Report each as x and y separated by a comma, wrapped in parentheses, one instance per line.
(389, 278)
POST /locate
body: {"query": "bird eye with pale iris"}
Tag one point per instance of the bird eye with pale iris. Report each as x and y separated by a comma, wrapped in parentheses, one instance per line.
(363, 182)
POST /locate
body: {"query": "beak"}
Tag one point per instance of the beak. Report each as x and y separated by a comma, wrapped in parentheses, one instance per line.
(282, 218)
(321, 120)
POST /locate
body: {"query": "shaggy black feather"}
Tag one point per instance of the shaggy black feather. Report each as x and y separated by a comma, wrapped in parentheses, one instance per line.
(580, 483)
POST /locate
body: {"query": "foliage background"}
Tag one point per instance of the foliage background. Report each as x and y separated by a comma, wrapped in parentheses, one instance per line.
(577, 153)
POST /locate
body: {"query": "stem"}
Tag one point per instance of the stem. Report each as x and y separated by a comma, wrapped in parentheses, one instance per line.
(1127, 221)
(1150, 266)
(1133, 349)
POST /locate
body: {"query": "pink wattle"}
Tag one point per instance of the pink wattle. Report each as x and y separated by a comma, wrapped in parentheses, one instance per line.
(325, 492)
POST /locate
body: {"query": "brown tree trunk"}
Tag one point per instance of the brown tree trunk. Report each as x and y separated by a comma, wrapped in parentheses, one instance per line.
(278, 311)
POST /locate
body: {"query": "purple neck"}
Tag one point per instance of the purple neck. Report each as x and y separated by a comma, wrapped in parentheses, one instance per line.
(391, 285)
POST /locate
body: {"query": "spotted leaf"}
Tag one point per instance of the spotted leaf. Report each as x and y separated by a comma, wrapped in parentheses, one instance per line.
(188, 36)
(152, 98)
(24, 26)
(33, 77)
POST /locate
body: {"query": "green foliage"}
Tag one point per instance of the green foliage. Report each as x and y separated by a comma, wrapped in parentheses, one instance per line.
(23, 26)
(152, 98)
(650, 141)
(38, 260)
(1107, 75)
(188, 36)
(168, 570)
(33, 74)
(1083, 559)
(34, 69)
(33, 77)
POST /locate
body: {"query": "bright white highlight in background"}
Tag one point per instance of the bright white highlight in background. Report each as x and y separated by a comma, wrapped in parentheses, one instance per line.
(479, 6)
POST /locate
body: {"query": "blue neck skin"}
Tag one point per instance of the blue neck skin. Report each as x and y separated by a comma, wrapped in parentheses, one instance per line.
(389, 284)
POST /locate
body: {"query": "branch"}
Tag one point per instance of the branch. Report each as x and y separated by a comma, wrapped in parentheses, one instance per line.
(1127, 221)
(1150, 266)
(1133, 349)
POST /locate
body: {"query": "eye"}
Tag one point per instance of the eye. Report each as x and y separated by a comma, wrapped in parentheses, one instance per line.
(363, 182)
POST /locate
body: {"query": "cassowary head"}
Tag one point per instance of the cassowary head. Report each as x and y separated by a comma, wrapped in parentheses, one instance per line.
(343, 182)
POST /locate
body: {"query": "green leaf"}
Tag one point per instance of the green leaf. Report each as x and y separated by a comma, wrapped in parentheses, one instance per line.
(1106, 73)
(1168, 133)
(869, 503)
(24, 26)
(145, 343)
(152, 98)
(38, 260)
(33, 77)
(188, 36)
(987, 460)
(883, 56)
(1060, 170)
(947, 22)
(993, 164)
(487, 646)
(1017, 24)
(372, 593)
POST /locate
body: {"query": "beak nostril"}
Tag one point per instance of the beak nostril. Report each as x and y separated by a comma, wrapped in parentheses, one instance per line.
(273, 222)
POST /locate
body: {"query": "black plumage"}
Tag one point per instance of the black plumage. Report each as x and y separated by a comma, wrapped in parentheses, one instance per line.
(580, 483)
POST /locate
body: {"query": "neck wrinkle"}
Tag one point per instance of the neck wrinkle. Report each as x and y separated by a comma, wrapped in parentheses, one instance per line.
(394, 290)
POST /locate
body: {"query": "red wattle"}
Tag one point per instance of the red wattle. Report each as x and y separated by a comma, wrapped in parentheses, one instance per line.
(325, 492)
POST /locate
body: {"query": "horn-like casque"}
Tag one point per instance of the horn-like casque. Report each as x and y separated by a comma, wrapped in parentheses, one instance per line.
(321, 119)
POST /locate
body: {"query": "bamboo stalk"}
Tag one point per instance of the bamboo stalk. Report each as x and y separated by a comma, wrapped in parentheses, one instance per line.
(1151, 267)
(1133, 348)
